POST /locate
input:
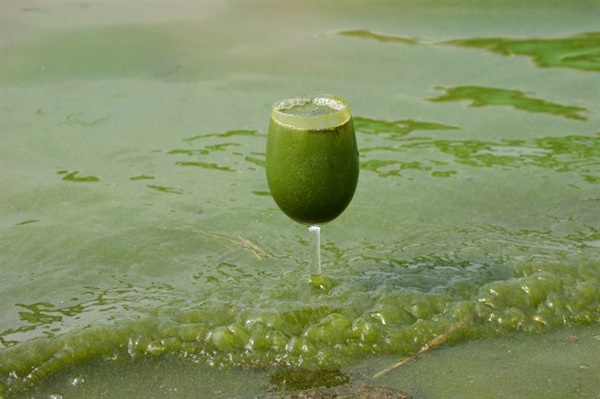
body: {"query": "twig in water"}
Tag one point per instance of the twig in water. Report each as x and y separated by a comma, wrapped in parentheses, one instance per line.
(435, 342)
(241, 241)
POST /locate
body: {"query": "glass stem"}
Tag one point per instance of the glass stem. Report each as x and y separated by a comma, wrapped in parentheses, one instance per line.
(315, 250)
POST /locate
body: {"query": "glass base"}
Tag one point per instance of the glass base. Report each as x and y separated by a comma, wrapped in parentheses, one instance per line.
(321, 284)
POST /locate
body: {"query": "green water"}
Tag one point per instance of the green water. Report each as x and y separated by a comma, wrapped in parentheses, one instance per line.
(137, 231)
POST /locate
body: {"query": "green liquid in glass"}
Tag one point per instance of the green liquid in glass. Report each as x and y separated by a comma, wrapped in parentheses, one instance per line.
(312, 158)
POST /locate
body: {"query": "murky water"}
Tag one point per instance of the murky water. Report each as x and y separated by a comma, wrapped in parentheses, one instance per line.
(138, 233)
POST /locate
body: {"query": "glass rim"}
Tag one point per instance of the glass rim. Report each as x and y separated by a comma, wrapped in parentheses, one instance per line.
(338, 111)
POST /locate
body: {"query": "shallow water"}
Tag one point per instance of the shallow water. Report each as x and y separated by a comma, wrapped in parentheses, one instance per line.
(560, 364)
(136, 220)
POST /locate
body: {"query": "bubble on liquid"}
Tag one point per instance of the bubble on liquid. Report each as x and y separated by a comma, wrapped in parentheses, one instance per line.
(56, 396)
(331, 103)
(77, 381)
(310, 106)
(155, 348)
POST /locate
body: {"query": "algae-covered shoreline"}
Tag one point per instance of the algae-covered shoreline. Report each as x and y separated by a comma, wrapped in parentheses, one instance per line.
(137, 231)
(397, 323)
(561, 363)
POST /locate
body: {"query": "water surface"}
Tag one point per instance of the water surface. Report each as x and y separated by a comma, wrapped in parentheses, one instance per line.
(137, 230)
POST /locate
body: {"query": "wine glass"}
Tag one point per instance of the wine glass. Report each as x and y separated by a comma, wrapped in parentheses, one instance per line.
(312, 163)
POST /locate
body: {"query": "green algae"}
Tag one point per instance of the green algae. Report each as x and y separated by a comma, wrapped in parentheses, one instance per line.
(24, 222)
(164, 189)
(580, 52)
(205, 165)
(461, 225)
(532, 299)
(560, 364)
(368, 35)
(568, 153)
(562, 154)
(489, 96)
(392, 310)
(79, 119)
(72, 177)
(229, 133)
(386, 168)
(298, 378)
(142, 177)
(396, 129)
